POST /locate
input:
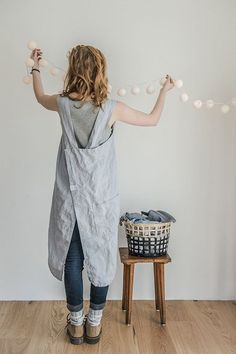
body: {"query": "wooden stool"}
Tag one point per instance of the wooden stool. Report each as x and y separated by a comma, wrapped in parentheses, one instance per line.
(128, 276)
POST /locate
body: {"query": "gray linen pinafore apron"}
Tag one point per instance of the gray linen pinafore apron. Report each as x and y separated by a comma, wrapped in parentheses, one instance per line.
(85, 189)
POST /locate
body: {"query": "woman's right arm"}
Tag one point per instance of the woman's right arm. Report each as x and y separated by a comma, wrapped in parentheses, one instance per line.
(122, 112)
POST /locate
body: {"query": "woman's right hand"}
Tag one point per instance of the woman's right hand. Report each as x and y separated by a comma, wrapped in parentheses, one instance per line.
(169, 83)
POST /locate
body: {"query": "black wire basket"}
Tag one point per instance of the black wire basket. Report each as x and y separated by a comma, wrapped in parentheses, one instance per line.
(147, 240)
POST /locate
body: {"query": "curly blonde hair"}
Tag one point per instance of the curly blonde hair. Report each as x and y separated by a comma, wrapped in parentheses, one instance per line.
(86, 74)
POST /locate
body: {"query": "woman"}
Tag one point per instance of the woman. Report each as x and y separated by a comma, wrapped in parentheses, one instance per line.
(85, 205)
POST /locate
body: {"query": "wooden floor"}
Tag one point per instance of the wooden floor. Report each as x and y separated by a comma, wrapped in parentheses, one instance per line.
(202, 327)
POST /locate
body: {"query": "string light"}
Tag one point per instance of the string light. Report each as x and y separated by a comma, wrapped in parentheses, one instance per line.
(150, 89)
(134, 89)
(197, 104)
(184, 97)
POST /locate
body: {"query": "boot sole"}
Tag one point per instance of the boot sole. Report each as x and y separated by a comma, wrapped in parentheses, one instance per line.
(75, 340)
(92, 340)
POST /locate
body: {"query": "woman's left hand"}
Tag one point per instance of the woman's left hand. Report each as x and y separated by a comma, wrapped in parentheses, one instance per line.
(36, 56)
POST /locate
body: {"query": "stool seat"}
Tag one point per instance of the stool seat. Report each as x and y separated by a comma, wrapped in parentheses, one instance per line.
(128, 277)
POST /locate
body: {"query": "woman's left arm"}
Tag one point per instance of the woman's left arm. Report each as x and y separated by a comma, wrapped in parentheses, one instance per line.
(47, 101)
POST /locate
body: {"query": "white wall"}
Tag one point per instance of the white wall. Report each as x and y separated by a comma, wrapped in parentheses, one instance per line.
(184, 165)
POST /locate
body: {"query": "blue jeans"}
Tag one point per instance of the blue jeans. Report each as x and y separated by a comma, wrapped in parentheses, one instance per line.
(73, 280)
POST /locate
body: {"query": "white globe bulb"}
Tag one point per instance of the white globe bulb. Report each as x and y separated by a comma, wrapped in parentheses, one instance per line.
(121, 92)
(109, 88)
(162, 81)
(184, 97)
(53, 71)
(43, 62)
(27, 79)
(178, 83)
(210, 103)
(150, 89)
(135, 90)
(233, 101)
(197, 103)
(29, 62)
(225, 108)
(32, 45)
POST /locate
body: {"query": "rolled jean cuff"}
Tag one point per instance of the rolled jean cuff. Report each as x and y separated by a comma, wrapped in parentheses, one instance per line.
(97, 306)
(74, 307)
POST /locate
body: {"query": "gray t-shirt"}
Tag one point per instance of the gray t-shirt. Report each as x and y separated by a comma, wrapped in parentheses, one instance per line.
(83, 116)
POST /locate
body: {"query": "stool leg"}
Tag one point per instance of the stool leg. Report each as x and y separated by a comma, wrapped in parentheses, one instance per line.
(125, 287)
(130, 292)
(161, 290)
(157, 296)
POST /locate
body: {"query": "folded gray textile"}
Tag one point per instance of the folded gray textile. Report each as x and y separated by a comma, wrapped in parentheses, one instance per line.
(159, 215)
(152, 216)
(134, 217)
